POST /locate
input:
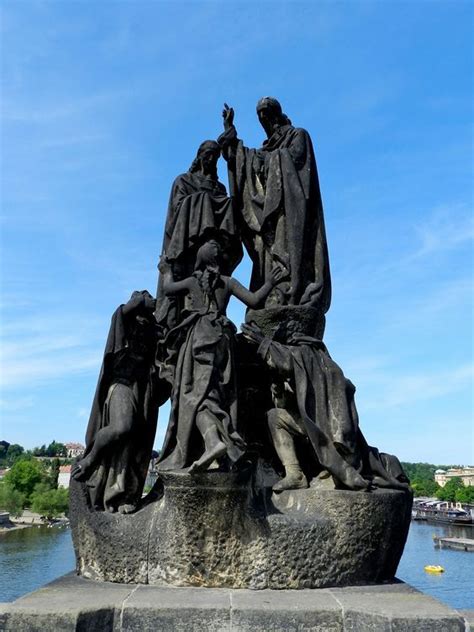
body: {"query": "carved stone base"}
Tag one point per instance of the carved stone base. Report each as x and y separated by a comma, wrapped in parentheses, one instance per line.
(213, 530)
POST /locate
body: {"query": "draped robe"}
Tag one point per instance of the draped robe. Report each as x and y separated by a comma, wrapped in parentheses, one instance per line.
(276, 190)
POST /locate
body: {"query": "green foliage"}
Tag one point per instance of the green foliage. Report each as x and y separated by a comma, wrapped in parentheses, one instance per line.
(54, 473)
(465, 494)
(448, 492)
(24, 475)
(14, 451)
(424, 487)
(3, 454)
(50, 502)
(11, 500)
(54, 449)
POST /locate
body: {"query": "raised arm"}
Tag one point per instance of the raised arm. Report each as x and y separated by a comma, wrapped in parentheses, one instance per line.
(170, 287)
(254, 299)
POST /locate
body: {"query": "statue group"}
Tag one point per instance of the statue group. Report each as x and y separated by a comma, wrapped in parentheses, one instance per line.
(269, 401)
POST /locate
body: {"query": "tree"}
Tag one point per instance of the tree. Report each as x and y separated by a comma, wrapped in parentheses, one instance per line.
(54, 473)
(11, 500)
(50, 502)
(448, 492)
(14, 451)
(465, 495)
(424, 487)
(24, 475)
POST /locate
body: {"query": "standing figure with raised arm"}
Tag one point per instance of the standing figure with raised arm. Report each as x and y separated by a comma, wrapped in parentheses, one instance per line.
(276, 191)
(203, 420)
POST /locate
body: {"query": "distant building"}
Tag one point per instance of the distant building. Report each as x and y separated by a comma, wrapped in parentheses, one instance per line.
(466, 474)
(64, 476)
(74, 450)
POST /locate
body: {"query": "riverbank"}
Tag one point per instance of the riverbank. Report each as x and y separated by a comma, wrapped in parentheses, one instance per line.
(28, 519)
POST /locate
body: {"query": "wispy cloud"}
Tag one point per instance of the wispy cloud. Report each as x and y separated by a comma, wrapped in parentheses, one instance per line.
(391, 389)
(448, 227)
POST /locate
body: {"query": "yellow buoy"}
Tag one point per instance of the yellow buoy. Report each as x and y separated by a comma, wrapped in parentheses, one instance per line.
(434, 569)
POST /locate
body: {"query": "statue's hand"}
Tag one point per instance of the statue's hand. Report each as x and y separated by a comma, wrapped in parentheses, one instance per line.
(252, 333)
(164, 266)
(228, 116)
(277, 274)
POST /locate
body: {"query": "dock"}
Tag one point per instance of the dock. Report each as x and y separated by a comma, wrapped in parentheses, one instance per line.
(457, 544)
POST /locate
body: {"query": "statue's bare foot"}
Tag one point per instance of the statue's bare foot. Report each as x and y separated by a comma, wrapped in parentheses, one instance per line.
(293, 480)
(208, 457)
(390, 483)
(127, 509)
(80, 471)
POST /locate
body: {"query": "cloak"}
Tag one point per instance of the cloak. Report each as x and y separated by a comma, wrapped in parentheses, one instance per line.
(326, 405)
(120, 475)
(204, 378)
(198, 209)
(276, 189)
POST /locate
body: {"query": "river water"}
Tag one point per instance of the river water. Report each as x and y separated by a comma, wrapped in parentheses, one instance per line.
(32, 557)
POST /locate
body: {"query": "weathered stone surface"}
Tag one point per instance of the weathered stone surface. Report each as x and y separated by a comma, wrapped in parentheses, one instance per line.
(309, 320)
(212, 529)
(109, 546)
(73, 603)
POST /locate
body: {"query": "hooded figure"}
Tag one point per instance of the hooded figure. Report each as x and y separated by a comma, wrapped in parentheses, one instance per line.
(198, 210)
(276, 191)
(122, 424)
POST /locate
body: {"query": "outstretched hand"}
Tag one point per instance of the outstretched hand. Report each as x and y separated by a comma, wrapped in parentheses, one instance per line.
(228, 116)
(277, 274)
(252, 332)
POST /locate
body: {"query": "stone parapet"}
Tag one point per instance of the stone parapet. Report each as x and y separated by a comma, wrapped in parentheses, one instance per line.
(74, 604)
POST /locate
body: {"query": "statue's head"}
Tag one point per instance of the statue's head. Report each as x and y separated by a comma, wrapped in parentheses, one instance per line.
(208, 255)
(206, 158)
(271, 115)
(148, 304)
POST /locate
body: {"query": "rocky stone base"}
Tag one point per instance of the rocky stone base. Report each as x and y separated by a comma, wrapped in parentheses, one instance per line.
(76, 604)
(215, 530)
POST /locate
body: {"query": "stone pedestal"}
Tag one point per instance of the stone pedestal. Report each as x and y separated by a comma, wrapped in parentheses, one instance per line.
(74, 604)
(218, 529)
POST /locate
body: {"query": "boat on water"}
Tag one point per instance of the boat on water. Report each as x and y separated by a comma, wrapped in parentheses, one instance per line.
(442, 512)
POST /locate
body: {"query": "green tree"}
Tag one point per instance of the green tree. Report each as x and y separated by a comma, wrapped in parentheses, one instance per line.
(14, 452)
(3, 454)
(56, 449)
(11, 500)
(448, 492)
(50, 502)
(424, 487)
(465, 494)
(54, 472)
(24, 475)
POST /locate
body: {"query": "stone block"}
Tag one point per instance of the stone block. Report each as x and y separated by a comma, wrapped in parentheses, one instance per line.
(76, 604)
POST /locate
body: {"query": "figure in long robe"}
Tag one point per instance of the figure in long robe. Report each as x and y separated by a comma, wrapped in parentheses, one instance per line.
(198, 210)
(276, 190)
(203, 421)
(122, 424)
(323, 411)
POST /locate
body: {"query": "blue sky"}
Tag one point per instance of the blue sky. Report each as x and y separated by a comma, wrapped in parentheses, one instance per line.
(104, 103)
